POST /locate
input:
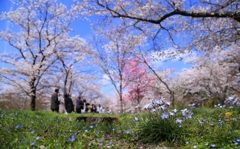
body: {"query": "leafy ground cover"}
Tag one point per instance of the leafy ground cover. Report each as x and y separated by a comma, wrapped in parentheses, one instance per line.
(204, 128)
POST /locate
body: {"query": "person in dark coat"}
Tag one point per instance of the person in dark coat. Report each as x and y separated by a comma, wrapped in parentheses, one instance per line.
(68, 103)
(79, 105)
(55, 102)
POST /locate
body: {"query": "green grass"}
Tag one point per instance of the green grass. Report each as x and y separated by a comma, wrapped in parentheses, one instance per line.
(27, 129)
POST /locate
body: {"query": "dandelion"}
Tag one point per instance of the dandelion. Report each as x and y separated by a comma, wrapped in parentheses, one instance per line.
(228, 114)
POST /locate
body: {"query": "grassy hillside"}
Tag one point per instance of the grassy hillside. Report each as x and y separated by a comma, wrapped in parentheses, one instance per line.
(204, 128)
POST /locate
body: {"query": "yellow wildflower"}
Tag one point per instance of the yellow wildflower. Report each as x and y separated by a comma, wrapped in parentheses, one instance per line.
(228, 114)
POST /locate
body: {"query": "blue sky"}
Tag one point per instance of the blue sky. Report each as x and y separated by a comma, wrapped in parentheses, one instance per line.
(81, 28)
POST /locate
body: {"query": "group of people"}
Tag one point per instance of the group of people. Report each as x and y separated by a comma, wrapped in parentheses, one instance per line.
(81, 105)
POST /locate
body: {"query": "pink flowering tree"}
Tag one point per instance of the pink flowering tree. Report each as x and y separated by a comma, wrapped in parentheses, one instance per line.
(136, 80)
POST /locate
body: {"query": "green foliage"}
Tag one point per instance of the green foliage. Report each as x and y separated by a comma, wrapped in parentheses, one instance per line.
(153, 129)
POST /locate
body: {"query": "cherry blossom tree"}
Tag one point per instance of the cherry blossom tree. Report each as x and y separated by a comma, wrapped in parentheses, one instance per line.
(199, 24)
(114, 46)
(136, 80)
(215, 73)
(42, 28)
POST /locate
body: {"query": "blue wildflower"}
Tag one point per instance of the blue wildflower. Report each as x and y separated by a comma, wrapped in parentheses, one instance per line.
(238, 140)
(38, 137)
(18, 126)
(213, 145)
(32, 131)
(68, 140)
(101, 144)
(58, 134)
(128, 131)
(206, 143)
(113, 129)
(136, 118)
(195, 146)
(24, 140)
(73, 137)
(85, 130)
(91, 127)
(187, 142)
(33, 143)
(57, 144)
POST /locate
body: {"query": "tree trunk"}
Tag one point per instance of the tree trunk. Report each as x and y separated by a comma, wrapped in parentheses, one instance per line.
(33, 94)
(33, 101)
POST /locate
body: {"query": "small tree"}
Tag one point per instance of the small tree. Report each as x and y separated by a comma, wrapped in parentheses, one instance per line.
(136, 80)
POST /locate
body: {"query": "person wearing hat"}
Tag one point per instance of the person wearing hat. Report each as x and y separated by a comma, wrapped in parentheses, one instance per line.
(54, 101)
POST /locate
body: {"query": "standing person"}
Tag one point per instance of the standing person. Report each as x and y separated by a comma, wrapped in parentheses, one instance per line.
(109, 111)
(68, 103)
(79, 105)
(54, 101)
(99, 108)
